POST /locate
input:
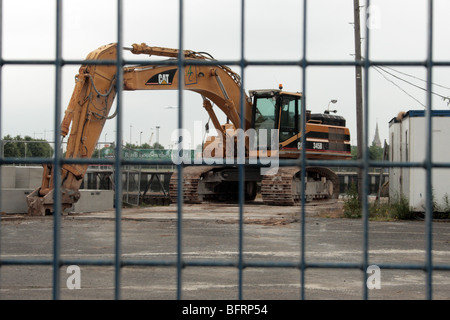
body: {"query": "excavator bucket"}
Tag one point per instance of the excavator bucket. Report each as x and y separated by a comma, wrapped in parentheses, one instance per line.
(42, 206)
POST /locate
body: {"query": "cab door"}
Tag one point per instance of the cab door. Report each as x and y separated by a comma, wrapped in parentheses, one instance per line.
(289, 121)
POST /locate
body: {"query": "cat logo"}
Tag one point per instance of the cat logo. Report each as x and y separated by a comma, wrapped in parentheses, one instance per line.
(162, 78)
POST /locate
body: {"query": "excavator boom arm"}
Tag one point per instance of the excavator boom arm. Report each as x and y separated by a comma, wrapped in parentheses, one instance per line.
(93, 96)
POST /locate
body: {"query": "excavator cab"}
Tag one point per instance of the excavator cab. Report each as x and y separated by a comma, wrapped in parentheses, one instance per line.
(277, 110)
(327, 138)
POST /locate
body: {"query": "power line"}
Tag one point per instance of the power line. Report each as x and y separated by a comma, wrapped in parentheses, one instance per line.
(410, 83)
(376, 69)
(414, 77)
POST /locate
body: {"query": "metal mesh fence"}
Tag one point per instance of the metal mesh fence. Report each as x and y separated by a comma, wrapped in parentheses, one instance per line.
(364, 164)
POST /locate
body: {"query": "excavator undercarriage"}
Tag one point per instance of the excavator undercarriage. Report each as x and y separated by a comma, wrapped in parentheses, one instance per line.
(215, 184)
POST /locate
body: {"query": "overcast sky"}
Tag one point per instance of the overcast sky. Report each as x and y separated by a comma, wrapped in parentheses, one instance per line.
(273, 31)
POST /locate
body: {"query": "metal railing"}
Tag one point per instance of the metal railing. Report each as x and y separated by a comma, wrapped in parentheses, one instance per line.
(118, 262)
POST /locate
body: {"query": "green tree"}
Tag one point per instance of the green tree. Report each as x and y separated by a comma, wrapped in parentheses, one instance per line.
(18, 147)
(143, 146)
(131, 146)
(157, 145)
(10, 147)
(96, 153)
(354, 152)
(375, 152)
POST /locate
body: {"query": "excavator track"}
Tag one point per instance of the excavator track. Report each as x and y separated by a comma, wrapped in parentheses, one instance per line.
(280, 189)
(191, 179)
(284, 187)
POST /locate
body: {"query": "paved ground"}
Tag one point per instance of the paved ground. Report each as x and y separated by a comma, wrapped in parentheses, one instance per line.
(210, 233)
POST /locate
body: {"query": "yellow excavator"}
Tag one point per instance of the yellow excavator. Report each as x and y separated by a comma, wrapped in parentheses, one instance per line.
(265, 111)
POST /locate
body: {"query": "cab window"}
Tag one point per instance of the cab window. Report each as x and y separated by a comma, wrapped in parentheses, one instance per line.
(289, 117)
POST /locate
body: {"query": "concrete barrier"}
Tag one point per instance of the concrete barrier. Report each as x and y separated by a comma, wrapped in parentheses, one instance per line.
(94, 200)
(21, 177)
(14, 200)
(28, 177)
(18, 182)
(8, 177)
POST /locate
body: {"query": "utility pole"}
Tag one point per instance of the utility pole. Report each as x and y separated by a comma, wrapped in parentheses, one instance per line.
(359, 95)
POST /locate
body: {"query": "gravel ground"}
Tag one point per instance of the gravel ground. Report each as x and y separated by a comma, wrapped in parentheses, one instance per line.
(210, 235)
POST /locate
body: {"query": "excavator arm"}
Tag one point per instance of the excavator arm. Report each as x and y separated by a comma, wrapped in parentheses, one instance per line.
(93, 96)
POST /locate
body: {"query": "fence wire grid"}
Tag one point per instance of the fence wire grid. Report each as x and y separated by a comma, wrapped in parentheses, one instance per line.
(118, 262)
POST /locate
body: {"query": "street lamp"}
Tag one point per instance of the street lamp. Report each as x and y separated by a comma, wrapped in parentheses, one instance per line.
(131, 126)
(140, 138)
(328, 108)
(157, 134)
